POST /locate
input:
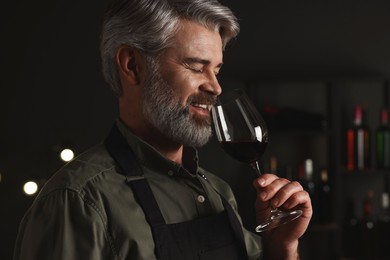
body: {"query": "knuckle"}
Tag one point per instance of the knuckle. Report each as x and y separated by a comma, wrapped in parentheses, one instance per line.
(272, 190)
(296, 184)
(283, 193)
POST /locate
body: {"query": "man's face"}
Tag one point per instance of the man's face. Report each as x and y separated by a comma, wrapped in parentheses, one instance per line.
(182, 87)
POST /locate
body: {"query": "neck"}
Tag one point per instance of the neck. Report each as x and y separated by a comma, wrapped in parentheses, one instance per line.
(171, 150)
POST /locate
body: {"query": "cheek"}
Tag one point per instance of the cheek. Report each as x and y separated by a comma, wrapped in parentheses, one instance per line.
(183, 87)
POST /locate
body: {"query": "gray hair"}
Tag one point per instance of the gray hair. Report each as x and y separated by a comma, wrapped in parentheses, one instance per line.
(150, 25)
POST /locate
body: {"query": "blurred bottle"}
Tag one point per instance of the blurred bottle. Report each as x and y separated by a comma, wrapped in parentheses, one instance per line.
(383, 141)
(368, 240)
(306, 178)
(358, 149)
(270, 165)
(310, 184)
(383, 226)
(385, 206)
(324, 198)
(368, 210)
(273, 164)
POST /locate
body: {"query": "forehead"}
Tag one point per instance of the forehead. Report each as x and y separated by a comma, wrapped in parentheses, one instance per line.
(194, 39)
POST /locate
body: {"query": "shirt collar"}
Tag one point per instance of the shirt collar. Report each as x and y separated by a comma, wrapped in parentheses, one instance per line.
(154, 160)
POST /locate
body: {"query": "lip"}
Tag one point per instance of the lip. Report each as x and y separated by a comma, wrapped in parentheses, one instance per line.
(202, 106)
(201, 109)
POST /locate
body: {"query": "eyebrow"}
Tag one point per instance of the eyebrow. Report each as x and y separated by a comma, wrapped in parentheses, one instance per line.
(190, 60)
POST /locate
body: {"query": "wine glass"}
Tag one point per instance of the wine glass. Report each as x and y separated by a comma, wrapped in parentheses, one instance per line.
(243, 134)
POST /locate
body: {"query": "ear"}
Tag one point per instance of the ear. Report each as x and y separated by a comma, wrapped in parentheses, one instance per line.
(128, 60)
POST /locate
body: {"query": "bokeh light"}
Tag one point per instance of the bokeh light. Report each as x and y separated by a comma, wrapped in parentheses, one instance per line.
(30, 188)
(67, 155)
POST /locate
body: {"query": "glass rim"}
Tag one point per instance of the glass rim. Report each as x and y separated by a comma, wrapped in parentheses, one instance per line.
(230, 95)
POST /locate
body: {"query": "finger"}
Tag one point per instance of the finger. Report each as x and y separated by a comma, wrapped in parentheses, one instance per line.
(299, 199)
(285, 193)
(268, 192)
(264, 180)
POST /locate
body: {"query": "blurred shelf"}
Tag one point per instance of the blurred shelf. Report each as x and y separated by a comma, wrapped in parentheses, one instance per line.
(330, 227)
(372, 172)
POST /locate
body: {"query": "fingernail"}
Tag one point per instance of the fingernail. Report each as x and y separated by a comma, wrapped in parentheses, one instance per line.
(275, 203)
(261, 182)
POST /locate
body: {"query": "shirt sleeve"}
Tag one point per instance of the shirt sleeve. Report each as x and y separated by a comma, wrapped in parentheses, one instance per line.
(63, 225)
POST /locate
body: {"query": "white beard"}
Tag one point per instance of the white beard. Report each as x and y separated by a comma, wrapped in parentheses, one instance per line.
(162, 108)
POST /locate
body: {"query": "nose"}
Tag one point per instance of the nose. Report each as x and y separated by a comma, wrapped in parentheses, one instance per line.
(212, 85)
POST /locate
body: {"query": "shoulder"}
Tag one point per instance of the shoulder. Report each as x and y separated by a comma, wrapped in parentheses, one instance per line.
(88, 194)
(91, 181)
(93, 165)
(87, 181)
(80, 189)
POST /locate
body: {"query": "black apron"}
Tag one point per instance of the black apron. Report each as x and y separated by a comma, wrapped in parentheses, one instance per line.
(215, 237)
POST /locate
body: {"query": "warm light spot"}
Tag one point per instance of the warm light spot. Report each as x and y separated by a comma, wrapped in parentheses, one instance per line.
(30, 188)
(67, 155)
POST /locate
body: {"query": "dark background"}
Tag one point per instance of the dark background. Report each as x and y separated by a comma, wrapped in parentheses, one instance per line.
(52, 93)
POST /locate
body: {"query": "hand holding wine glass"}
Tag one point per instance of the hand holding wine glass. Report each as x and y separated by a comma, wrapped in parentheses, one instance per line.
(243, 134)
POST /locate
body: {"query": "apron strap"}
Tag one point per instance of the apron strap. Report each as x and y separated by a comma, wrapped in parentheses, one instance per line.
(144, 195)
(119, 149)
(236, 225)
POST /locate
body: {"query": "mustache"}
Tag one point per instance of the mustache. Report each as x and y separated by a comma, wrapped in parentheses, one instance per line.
(202, 98)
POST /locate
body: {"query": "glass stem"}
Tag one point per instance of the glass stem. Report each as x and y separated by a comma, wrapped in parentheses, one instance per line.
(256, 167)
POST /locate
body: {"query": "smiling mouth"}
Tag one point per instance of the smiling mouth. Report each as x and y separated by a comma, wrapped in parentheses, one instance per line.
(202, 106)
(200, 111)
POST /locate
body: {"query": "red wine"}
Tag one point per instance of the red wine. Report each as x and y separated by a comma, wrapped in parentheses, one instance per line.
(245, 151)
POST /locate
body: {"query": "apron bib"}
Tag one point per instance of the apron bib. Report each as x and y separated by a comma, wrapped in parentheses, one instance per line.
(215, 237)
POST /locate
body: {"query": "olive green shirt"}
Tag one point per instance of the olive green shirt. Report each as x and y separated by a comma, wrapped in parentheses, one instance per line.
(87, 211)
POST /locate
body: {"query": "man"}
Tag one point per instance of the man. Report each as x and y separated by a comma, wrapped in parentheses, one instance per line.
(141, 194)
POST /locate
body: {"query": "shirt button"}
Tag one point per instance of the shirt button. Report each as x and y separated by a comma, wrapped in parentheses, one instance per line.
(201, 199)
(170, 173)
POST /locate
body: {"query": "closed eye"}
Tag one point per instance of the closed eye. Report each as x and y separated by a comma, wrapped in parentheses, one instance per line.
(198, 65)
(194, 68)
